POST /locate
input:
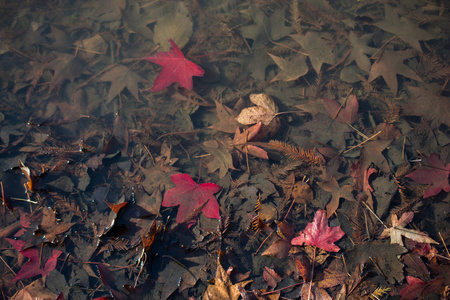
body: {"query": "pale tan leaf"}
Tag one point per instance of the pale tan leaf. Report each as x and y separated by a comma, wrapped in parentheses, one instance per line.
(398, 230)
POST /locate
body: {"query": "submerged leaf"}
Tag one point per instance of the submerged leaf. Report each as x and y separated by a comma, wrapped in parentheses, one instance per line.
(190, 196)
(319, 234)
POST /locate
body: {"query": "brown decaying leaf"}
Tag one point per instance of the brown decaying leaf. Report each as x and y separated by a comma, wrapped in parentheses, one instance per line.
(223, 288)
(398, 230)
(241, 139)
(337, 193)
(121, 77)
(50, 227)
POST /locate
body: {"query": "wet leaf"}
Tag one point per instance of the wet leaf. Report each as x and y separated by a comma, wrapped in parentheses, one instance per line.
(227, 116)
(271, 277)
(65, 67)
(33, 267)
(389, 65)
(50, 227)
(319, 234)
(176, 69)
(337, 193)
(110, 283)
(241, 139)
(435, 174)
(190, 196)
(318, 51)
(417, 288)
(264, 111)
(398, 230)
(429, 104)
(344, 115)
(121, 77)
(360, 50)
(179, 31)
(291, 69)
(220, 158)
(403, 28)
(223, 288)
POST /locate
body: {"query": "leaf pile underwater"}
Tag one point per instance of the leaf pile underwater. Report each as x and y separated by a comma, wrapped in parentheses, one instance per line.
(225, 149)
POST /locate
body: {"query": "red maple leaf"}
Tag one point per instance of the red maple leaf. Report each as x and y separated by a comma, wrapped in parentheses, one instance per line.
(191, 197)
(319, 234)
(176, 68)
(436, 175)
(33, 266)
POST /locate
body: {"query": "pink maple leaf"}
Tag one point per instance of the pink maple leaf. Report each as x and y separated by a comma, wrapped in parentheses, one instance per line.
(33, 266)
(191, 196)
(176, 68)
(319, 234)
(436, 175)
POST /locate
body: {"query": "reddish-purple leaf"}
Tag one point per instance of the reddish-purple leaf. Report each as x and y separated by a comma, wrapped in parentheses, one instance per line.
(319, 234)
(33, 266)
(344, 115)
(417, 288)
(436, 175)
(176, 68)
(109, 281)
(190, 196)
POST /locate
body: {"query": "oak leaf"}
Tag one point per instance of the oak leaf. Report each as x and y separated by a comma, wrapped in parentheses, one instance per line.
(176, 68)
(436, 175)
(319, 234)
(398, 230)
(191, 196)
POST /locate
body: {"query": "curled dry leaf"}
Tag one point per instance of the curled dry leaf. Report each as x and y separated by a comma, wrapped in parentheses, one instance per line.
(398, 230)
(264, 111)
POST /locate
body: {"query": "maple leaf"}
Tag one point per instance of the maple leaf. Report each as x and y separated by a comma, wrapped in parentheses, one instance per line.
(223, 288)
(403, 28)
(220, 157)
(344, 115)
(337, 192)
(291, 69)
(398, 230)
(359, 51)
(121, 77)
(190, 196)
(176, 68)
(417, 288)
(227, 122)
(65, 67)
(33, 266)
(319, 52)
(436, 175)
(319, 234)
(389, 65)
(427, 102)
(241, 139)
